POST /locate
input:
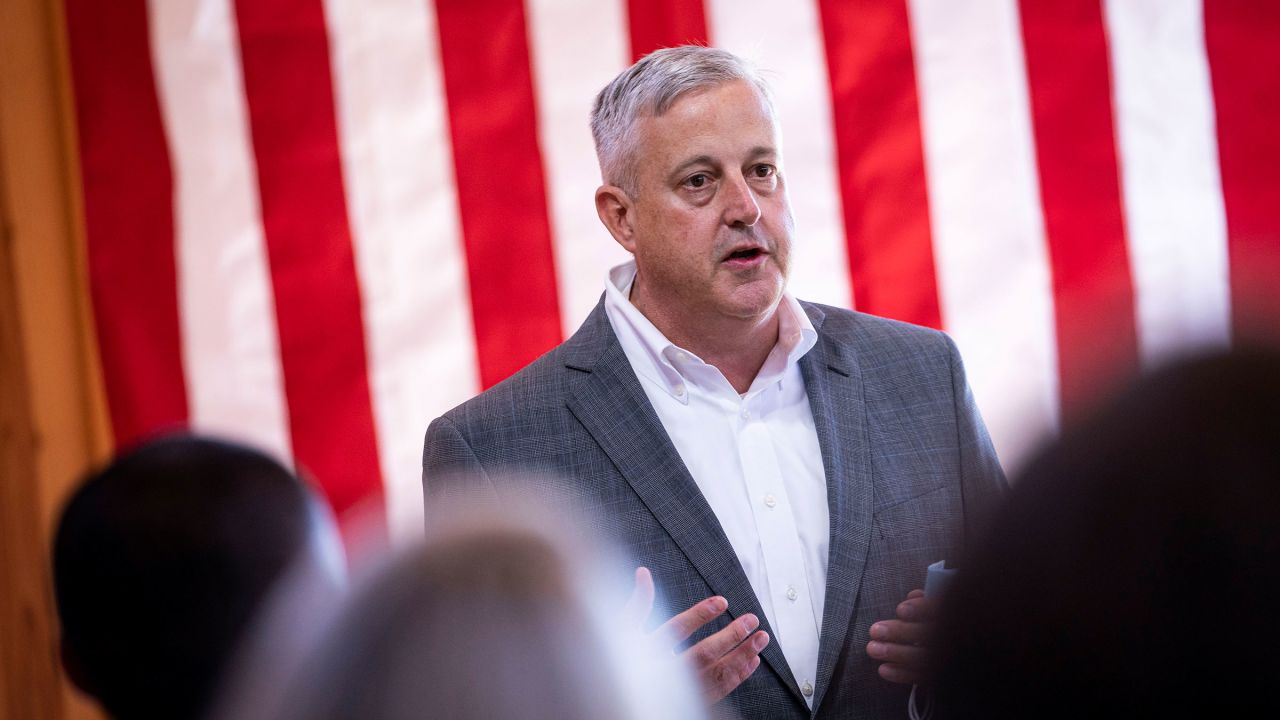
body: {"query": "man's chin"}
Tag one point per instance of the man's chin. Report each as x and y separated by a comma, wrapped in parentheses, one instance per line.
(754, 303)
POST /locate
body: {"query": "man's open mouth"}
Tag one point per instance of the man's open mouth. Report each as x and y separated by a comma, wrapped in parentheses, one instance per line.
(745, 254)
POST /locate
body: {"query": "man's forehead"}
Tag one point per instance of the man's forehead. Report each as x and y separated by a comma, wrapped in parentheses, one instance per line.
(715, 116)
(700, 100)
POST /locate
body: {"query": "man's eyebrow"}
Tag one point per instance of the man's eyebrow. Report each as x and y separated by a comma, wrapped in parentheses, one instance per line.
(754, 153)
(696, 160)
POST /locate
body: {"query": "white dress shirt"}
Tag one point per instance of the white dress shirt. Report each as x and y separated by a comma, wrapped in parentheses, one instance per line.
(754, 456)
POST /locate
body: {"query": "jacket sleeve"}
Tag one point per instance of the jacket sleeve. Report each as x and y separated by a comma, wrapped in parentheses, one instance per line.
(451, 471)
(982, 481)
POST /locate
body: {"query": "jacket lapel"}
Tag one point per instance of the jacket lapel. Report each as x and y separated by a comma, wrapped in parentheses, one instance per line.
(611, 405)
(833, 383)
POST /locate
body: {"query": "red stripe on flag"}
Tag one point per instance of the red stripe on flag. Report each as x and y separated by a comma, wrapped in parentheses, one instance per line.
(654, 24)
(880, 152)
(129, 216)
(285, 54)
(1068, 71)
(1243, 42)
(501, 195)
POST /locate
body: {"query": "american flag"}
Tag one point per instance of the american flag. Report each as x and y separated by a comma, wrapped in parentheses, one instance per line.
(317, 224)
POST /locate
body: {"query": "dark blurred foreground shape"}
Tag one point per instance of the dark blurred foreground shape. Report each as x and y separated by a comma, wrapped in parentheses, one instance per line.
(1135, 569)
(162, 559)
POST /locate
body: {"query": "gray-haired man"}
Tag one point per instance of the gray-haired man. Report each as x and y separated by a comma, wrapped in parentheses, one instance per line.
(786, 471)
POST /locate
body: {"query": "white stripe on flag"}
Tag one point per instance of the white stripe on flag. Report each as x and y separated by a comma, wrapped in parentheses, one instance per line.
(577, 48)
(1168, 149)
(230, 347)
(988, 229)
(794, 61)
(413, 280)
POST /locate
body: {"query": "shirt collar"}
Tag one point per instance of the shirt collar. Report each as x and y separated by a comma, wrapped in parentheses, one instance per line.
(654, 356)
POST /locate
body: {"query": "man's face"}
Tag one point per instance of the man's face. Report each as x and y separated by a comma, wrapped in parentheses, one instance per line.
(712, 224)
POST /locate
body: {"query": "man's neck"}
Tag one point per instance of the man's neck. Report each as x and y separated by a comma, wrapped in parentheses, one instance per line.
(737, 347)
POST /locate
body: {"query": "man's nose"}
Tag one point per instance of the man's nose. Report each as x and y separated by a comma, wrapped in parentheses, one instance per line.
(740, 206)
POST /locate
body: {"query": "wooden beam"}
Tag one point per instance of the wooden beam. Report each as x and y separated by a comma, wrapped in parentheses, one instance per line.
(52, 413)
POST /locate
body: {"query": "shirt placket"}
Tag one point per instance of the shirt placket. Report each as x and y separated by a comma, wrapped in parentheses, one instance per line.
(789, 594)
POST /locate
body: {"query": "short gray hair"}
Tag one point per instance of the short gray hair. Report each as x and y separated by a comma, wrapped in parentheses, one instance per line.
(649, 88)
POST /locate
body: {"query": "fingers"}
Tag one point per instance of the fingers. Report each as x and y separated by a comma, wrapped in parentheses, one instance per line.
(897, 631)
(734, 667)
(901, 644)
(917, 608)
(907, 655)
(714, 647)
(679, 628)
(914, 622)
(728, 677)
(640, 604)
(724, 659)
(901, 663)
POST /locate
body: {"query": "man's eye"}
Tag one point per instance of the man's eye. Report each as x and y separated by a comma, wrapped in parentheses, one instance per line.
(697, 181)
(764, 171)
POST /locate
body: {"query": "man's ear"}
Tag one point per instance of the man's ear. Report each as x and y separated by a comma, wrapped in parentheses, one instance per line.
(617, 212)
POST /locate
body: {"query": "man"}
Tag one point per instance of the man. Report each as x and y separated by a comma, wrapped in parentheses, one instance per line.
(796, 464)
(163, 559)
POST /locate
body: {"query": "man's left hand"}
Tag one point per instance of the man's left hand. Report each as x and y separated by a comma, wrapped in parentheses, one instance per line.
(901, 644)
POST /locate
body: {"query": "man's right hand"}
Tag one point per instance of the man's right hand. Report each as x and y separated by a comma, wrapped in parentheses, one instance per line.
(721, 661)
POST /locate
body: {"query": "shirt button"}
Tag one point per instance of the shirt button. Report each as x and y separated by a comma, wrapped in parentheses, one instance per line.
(681, 356)
(807, 689)
(680, 391)
(746, 414)
(791, 593)
(770, 501)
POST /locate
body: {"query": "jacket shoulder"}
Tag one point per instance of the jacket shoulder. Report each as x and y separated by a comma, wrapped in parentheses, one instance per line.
(877, 338)
(538, 384)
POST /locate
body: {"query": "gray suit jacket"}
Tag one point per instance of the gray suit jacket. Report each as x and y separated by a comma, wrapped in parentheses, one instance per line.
(910, 471)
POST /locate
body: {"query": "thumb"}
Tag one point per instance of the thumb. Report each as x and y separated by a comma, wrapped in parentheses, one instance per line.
(640, 604)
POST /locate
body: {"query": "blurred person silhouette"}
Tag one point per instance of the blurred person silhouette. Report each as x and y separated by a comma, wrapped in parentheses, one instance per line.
(501, 613)
(161, 561)
(1135, 569)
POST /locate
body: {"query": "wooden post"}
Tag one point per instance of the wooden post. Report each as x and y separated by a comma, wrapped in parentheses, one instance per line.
(52, 414)
(29, 686)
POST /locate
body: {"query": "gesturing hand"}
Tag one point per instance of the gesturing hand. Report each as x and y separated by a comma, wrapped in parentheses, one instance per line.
(721, 661)
(901, 643)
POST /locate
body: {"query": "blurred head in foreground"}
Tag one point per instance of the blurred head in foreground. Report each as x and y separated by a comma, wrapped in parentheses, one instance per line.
(497, 615)
(161, 560)
(1135, 570)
